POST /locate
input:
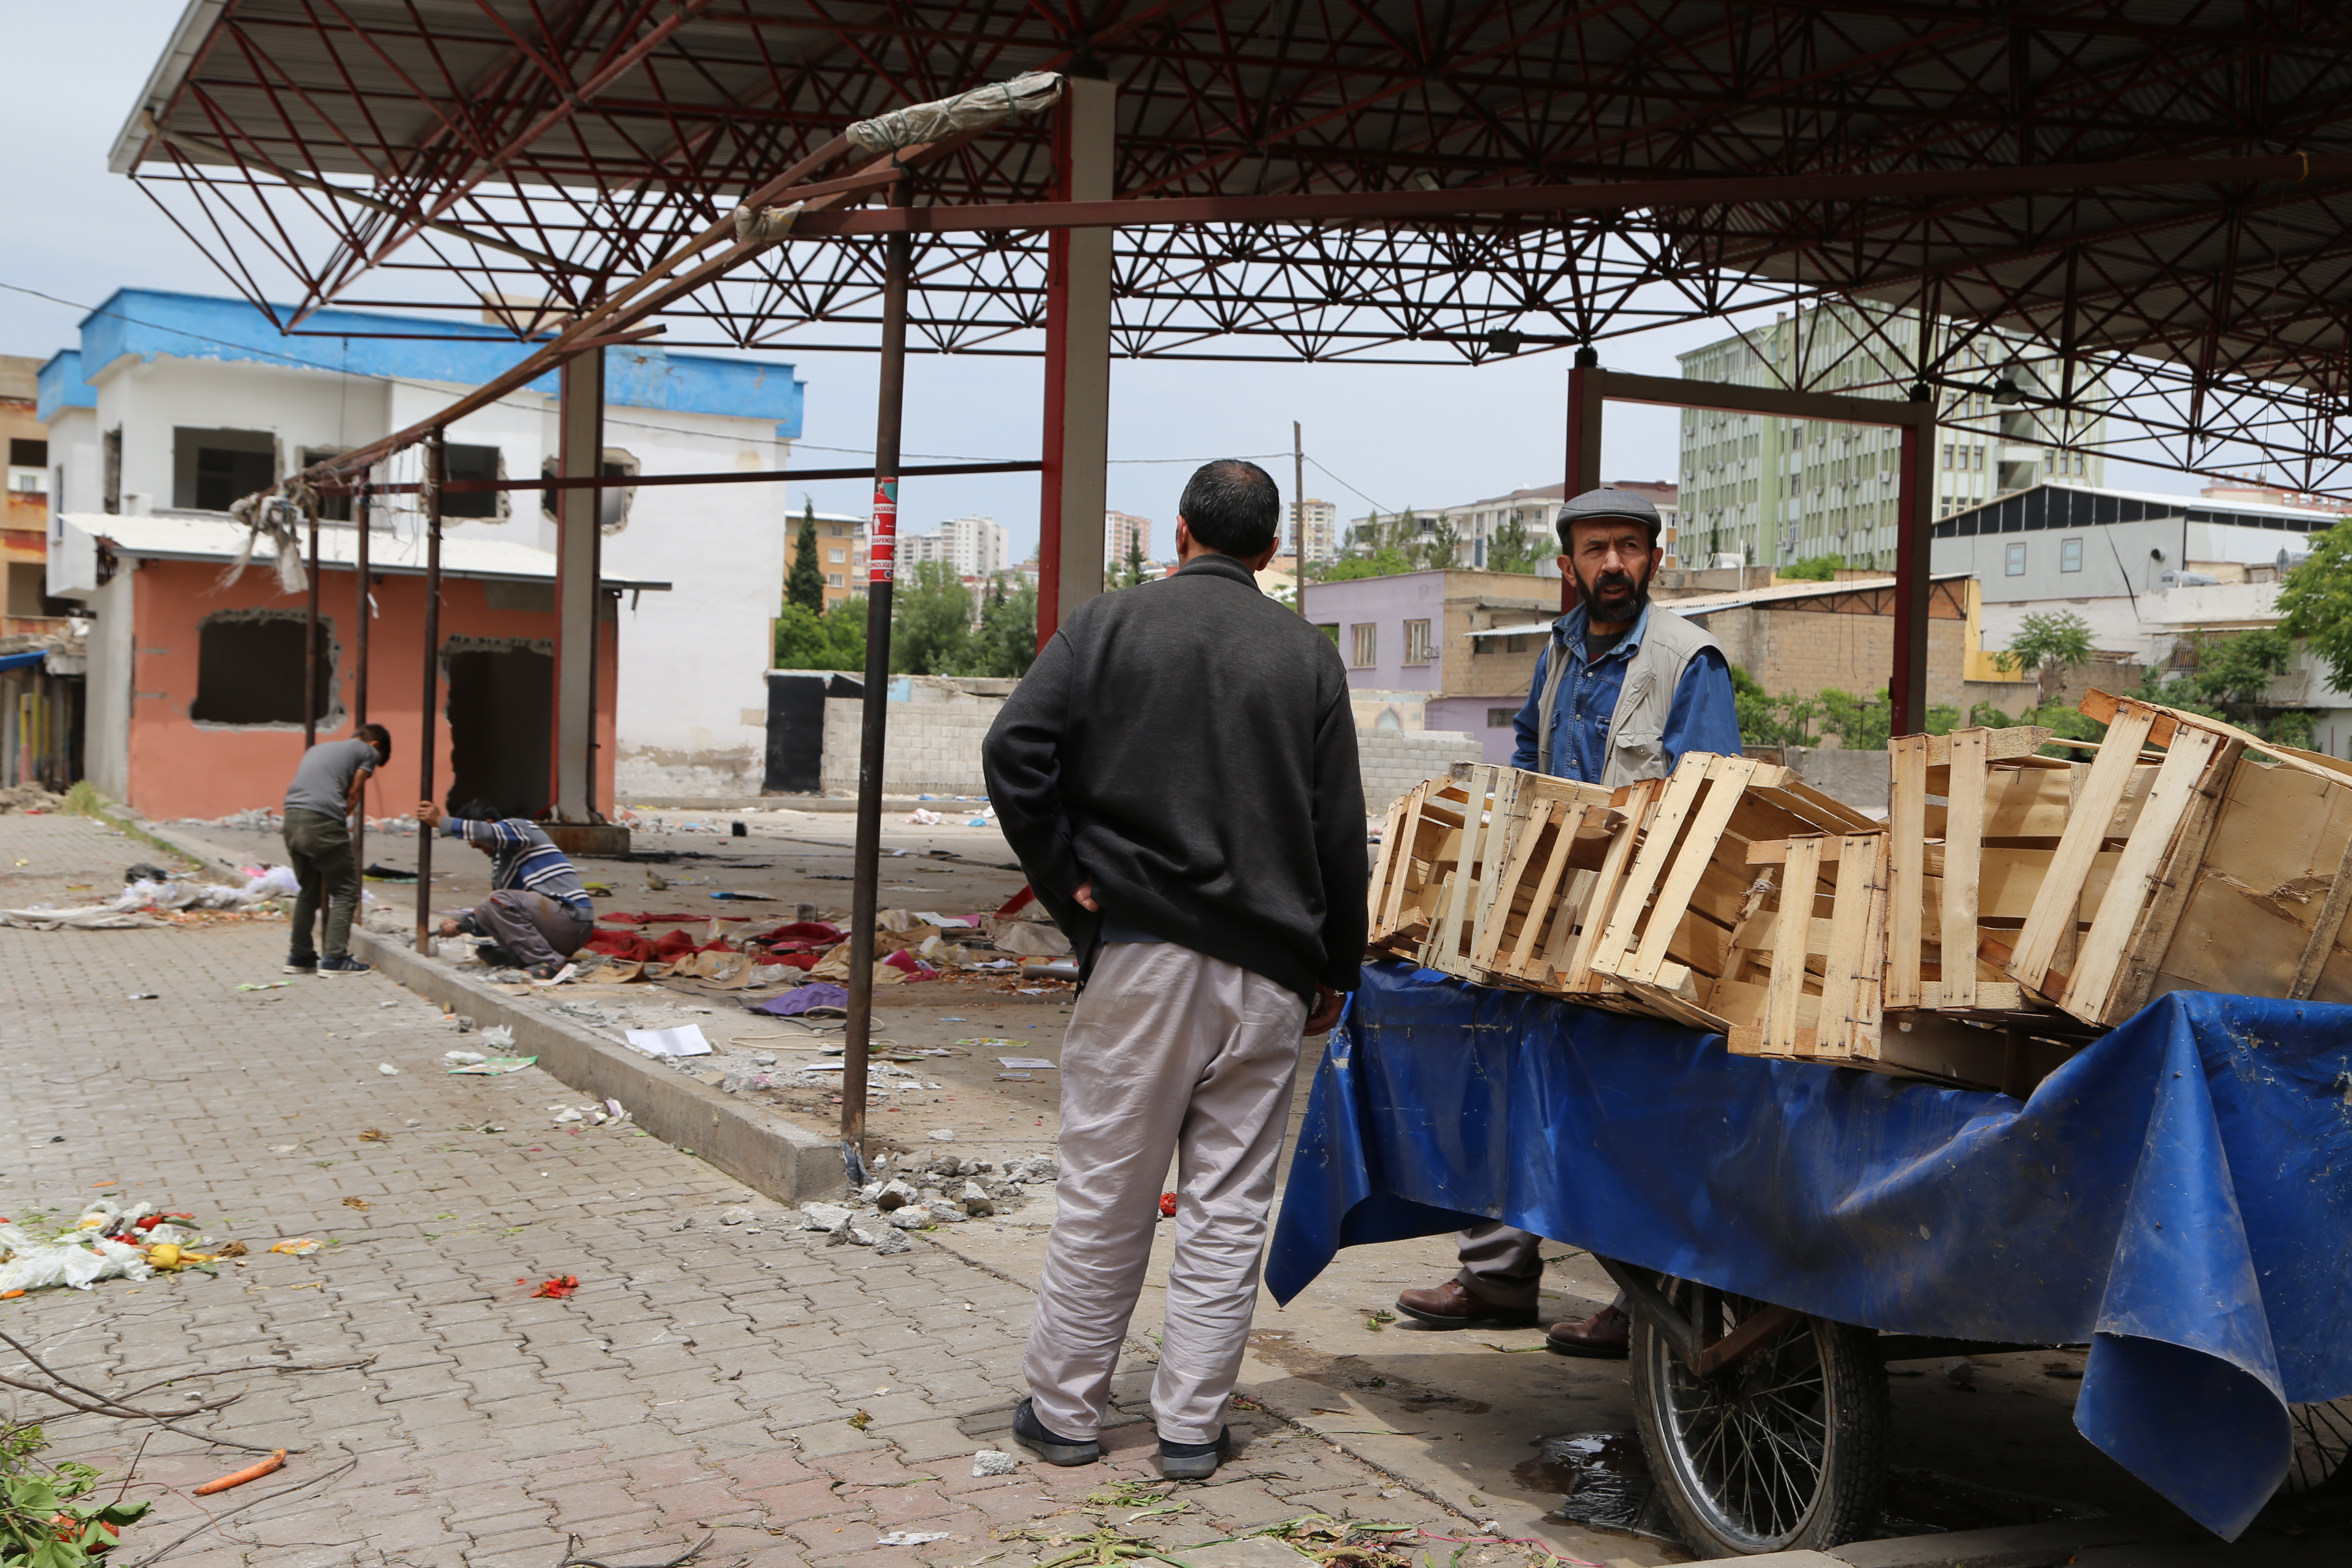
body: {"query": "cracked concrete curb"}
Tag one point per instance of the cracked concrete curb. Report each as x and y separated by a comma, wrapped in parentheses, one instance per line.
(773, 1157)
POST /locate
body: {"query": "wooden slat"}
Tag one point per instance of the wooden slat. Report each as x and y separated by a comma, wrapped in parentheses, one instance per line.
(1804, 869)
(1850, 921)
(1906, 895)
(1565, 818)
(2322, 931)
(1999, 745)
(1963, 862)
(1486, 946)
(1650, 860)
(1407, 836)
(1445, 937)
(2054, 905)
(1601, 897)
(2102, 952)
(1495, 845)
(1394, 860)
(1725, 776)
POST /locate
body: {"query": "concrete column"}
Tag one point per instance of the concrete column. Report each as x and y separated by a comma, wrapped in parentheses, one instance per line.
(580, 454)
(1077, 362)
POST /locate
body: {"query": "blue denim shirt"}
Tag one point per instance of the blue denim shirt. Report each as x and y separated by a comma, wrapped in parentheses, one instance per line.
(1702, 717)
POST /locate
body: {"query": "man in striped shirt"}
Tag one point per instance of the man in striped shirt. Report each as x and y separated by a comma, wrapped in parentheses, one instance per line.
(537, 910)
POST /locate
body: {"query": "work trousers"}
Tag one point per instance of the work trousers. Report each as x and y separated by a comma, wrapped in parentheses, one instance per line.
(533, 927)
(319, 849)
(1499, 1264)
(1170, 1053)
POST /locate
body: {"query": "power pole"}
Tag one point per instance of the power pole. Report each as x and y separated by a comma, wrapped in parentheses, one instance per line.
(1297, 499)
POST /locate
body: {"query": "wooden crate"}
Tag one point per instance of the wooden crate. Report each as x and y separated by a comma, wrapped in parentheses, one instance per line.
(1679, 920)
(1532, 907)
(1419, 845)
(2253, 888)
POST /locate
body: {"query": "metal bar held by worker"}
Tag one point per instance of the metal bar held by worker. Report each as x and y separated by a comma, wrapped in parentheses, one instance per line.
(881, 570)
(434, 469)
(311, 643)
(359, 669)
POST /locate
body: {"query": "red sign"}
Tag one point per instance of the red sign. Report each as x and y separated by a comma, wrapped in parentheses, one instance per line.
(882, 544)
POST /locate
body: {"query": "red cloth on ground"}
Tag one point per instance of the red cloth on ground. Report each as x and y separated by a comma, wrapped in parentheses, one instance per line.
(673, 945)
(797, 960)
(625, 945)
(806, 930)
(914, 967)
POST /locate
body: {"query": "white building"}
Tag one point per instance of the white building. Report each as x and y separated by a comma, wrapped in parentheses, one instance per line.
(1314, 530)
(1125, 538)
(974, 546)
(1776, 491)
(184, 402)
(1477, 524)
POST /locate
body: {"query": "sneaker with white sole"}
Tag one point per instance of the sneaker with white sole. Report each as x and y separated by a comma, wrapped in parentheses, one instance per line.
(342, 963)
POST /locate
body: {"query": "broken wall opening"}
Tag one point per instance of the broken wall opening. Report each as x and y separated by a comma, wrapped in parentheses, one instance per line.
(250, 669)
(501, 712)
(211, 469)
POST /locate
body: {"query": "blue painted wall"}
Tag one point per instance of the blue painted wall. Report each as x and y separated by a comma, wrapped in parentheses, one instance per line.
(61, 386)
(151, 323)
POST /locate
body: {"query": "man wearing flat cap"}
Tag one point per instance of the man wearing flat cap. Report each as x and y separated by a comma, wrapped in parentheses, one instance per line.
(1621, 693)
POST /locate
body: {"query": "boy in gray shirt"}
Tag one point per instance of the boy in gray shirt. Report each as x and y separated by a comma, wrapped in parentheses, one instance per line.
(326, 791)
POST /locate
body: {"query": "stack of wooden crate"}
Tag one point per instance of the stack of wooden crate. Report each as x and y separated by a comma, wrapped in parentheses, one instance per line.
(2011, 907)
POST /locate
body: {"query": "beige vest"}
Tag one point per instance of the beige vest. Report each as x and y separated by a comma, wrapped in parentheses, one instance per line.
(1638, 726)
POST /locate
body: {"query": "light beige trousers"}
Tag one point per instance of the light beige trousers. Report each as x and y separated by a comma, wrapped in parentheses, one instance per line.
(1169, 1054)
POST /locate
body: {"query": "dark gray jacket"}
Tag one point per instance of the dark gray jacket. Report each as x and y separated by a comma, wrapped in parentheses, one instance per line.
(1190, 745)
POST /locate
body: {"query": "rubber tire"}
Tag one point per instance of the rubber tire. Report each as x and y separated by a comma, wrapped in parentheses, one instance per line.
(1851, 1496)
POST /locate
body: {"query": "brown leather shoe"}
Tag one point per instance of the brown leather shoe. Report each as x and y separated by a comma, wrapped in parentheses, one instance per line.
(1603, 1336)
(1451, 1306)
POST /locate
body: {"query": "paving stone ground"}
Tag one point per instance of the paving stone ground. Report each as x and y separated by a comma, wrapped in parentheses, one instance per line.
(704, 1377)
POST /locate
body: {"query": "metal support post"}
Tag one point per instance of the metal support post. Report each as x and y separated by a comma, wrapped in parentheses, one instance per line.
(358, 666)
(1915, 531)
(310, 642)
(1073, 492)
(579, 534)
(881, 569)
(1585, 403)
(436, 470)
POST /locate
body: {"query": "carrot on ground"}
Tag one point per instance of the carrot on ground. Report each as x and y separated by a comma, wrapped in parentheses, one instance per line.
(238, 1478)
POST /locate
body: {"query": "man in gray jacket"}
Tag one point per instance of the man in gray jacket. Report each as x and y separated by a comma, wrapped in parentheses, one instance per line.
(1178, 774)
(1621, 693)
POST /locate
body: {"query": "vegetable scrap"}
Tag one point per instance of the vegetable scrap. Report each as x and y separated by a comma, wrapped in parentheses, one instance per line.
(558, 1288)
(296, 1245)
(250, 1473)
(1168, 1204)
(109, 1241)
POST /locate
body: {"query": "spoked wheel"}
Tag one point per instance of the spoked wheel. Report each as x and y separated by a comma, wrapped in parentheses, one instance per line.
(2323, 1439)
(1784, 1449)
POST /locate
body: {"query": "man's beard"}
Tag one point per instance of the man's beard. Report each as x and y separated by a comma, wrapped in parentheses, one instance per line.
(1630, 608)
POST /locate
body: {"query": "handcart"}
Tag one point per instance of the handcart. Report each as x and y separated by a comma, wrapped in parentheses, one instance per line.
(2178, 1198)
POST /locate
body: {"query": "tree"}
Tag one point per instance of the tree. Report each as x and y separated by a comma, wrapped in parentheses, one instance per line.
(1860, 724)
(2316, 603)
(1134, 563)
(1388, 561)
(2230, 681)
(834, 640)
(930, 621)
(1766, 719)
(1815, 569)
(1514, 549)
(1007, 642)
(2048, 645)
(805, 583)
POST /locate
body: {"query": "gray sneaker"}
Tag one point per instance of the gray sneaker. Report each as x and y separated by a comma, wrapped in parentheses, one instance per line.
(1031, 1434)
(1195, 1461)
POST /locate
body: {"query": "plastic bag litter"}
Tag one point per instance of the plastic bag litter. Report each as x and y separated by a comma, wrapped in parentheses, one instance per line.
(922, 818)
(1031, 92)
(77, 1259)
(498, 1037)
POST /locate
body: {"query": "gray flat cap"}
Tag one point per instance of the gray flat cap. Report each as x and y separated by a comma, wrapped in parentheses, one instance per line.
(1611, 503)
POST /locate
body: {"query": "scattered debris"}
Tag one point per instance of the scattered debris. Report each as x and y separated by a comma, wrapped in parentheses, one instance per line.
(360, 1204)
(491, 1067)
(993, 1462)
(942, 1134)
(559, 1288)
(374, 1135)
(387, 1069)
(275, 1461)
(911, 1537)
(296, 1245)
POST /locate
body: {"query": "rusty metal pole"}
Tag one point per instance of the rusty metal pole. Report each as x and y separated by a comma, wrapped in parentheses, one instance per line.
(310, 642)
(881, 568)
(429, 725)
(359, 667)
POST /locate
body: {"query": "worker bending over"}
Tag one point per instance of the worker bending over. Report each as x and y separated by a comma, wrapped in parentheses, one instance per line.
(327, 787)
(1178, 774)
(538, 912)
(1621, 693)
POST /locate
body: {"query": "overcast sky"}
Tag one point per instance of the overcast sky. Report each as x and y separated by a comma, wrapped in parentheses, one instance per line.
(1393, 436)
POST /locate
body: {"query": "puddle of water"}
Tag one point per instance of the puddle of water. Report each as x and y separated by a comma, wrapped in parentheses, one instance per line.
(1604, 1479)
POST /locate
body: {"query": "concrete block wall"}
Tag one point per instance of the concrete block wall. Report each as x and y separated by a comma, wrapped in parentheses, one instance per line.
(1393, 761)
(932, 744)
(1802, 651)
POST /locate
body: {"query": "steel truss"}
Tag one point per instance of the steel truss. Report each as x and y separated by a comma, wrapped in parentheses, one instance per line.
(542, 152)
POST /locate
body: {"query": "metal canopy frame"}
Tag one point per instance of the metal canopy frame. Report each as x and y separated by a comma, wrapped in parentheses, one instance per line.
(542, 151)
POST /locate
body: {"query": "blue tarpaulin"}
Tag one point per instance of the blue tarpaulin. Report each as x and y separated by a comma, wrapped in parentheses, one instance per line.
(2179, 1195)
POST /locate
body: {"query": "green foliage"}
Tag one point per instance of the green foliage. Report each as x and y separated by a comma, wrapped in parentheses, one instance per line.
(834, 640)
(2232, 676)
(805, 583)
(2048, 645)
(1766, 719)
(1131, 572)
(1814, 569)
(1515, 549)
(1386, 561)
(930, 621)
(1007, 642)
(2315, 601)
(82, 800)
(1860, 724)
(44, 1520)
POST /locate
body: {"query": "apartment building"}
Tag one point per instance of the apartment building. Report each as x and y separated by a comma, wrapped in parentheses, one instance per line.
(1770, 492)
(1125, 538)
(1477, 524)
(1313, 533)
(840, 553)
(976, 547)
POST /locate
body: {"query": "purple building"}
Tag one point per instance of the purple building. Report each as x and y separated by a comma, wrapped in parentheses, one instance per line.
(1412, 661)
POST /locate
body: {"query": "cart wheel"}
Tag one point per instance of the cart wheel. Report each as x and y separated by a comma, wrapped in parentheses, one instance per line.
(1784, 1450)
(2323, 1437)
